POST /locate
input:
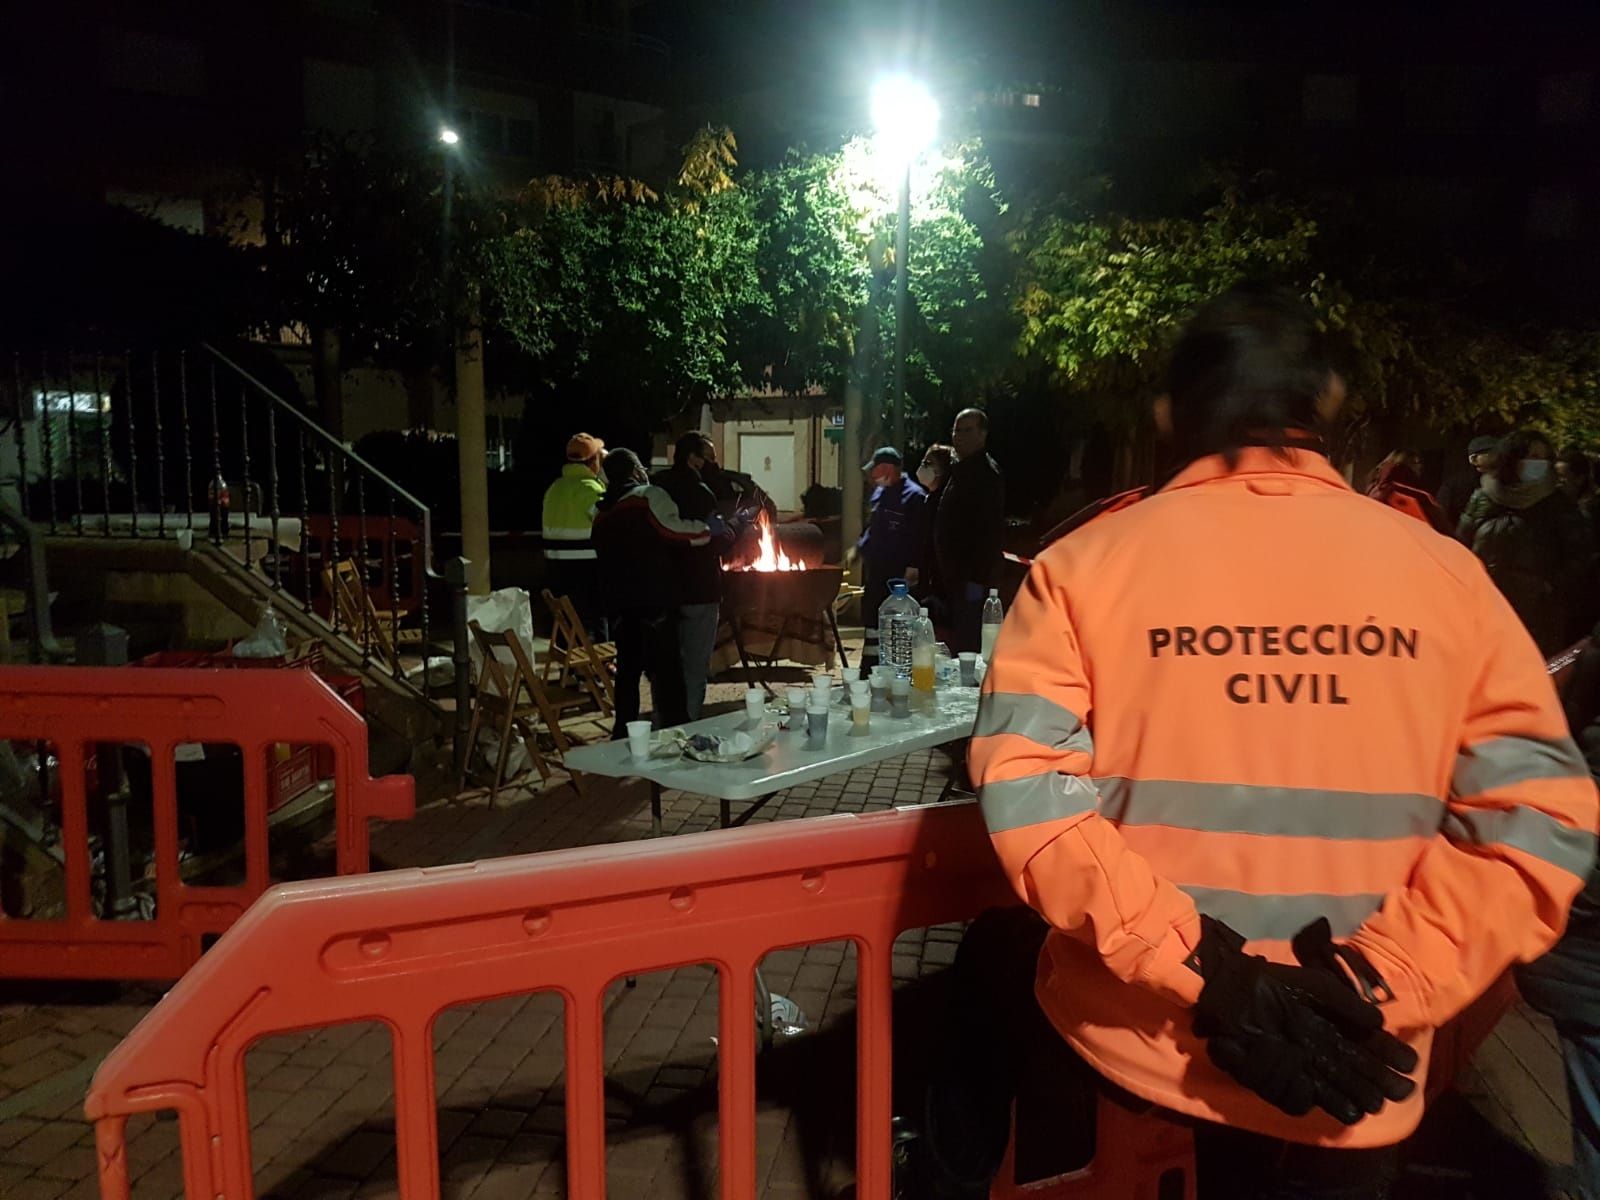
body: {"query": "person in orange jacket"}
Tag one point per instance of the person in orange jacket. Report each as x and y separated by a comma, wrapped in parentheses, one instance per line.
(1282, 777)
(1397, 482)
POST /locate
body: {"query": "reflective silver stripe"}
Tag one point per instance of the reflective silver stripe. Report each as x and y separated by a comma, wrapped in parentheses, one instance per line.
(566, 533)
(1016, 803)
(1278, 917)
(1270, 811)
(571, 555)
(1023, 714)
(1507, 761)
(1528, 830)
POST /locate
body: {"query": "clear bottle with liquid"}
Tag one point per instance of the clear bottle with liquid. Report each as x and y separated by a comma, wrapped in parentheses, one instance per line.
(896, 616)
(922, 668)
(994, 615)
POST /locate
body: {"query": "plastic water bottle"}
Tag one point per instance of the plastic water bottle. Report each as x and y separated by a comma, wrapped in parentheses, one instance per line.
(994, 614)
(922, 659)
(896, 615)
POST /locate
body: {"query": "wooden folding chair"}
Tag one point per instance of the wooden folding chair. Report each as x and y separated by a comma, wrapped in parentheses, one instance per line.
(364, 623)
(513, 696)
(576, 655)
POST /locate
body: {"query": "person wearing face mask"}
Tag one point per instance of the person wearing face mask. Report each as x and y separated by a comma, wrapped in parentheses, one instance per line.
(1534, 543)
(893, 541)
(637, 531)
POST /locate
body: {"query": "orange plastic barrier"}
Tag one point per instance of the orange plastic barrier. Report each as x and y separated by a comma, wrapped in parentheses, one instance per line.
(403, 946)
(77, 708)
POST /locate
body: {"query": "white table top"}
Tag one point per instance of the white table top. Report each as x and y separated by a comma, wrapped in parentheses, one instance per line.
(788, 761)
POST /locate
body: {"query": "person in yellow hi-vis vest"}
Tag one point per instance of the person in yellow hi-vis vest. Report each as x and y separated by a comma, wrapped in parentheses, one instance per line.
(571, 567)
(1283, 784)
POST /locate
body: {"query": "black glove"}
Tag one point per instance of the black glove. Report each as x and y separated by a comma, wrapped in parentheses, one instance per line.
(1298, 1037)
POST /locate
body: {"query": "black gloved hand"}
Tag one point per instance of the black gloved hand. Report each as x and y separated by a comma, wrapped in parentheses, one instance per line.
(1298, 1037)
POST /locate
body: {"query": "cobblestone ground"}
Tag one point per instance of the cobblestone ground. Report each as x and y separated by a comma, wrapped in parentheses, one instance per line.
(321, 1103)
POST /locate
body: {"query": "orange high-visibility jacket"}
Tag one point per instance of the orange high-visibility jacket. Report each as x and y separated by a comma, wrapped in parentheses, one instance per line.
(1260, 696)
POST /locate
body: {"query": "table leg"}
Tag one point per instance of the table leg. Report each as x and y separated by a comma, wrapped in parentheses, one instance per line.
(833, 623)
(738, 640)
(746, 814)
(655, 809)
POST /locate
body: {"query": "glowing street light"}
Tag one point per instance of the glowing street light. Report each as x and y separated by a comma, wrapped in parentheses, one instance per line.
(449, 136)
(906, 118)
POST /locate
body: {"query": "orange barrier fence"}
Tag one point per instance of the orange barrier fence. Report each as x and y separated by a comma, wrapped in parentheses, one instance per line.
(77, 711)
(403, 946)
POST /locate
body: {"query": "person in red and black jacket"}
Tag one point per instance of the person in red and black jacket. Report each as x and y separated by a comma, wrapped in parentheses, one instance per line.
(637, 529)
(1397, 482)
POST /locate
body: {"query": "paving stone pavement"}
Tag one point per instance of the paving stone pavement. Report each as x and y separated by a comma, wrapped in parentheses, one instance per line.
(321, 1103)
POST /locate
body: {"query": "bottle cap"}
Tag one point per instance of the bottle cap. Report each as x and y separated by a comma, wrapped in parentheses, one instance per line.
(994, 592)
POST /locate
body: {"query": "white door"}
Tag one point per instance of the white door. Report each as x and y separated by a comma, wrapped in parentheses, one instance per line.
(770, 458)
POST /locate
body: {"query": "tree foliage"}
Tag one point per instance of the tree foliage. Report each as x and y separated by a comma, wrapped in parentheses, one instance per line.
(1099, 299)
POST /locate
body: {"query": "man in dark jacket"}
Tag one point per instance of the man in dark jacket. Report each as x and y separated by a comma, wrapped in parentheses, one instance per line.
(969, 532)
(694, 459)
(1565, 984)
(893, 540)
(637, 530)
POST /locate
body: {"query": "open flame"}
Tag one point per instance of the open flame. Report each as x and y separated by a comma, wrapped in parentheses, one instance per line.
(770, 556)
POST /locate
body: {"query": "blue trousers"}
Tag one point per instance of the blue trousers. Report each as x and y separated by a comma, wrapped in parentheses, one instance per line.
(1580, 1054)
(697, 638)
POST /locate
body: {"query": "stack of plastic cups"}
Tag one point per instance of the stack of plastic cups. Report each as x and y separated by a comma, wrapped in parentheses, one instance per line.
(797, 708)
(860, 706)
(880, 688)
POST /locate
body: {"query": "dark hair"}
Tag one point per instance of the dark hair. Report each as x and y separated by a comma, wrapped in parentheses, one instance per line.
(693, 442)
(1247, 369)
(983, 417)
(620, 466)
(940, 456)
(1576, 461)
(1514, 449)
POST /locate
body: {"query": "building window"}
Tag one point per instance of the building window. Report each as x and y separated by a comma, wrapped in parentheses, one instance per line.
(1331, 99)
(1565, 99)
(153, 62)
(497, 134)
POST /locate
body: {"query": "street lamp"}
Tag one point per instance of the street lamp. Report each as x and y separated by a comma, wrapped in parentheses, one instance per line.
(906, 118)
(448, 136)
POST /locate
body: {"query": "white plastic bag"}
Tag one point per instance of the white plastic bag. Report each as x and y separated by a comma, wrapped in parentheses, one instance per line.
(267, 641)
(508, 608)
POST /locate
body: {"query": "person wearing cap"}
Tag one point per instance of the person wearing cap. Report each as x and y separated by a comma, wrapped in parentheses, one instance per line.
(893, 541)
(569, 505)
(1458, 489)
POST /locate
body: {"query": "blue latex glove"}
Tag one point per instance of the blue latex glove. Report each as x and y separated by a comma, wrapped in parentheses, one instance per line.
(975, 592)
(718, 527)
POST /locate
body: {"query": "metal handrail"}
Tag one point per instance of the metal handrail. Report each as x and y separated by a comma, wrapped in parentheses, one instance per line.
(147, 443)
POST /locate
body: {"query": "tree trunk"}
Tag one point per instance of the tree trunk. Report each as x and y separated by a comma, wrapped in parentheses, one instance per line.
(472, 446)
(328, 380)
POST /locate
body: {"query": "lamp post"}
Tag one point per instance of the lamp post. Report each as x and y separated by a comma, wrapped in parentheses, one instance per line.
(906, 117)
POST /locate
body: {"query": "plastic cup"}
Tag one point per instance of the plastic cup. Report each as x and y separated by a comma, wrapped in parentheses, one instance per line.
(755, 705)
(969, 668)
(797, 704)
(860, 707)
(639, 739)
(900, 696)
(817, 726)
